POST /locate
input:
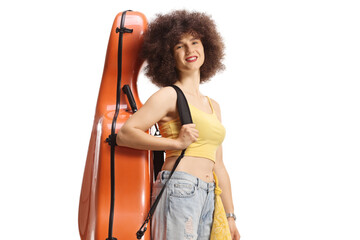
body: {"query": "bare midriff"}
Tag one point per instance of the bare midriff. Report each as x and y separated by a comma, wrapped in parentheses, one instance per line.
(201, 168)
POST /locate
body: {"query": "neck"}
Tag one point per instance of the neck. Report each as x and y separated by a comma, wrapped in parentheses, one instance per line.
(189, 82)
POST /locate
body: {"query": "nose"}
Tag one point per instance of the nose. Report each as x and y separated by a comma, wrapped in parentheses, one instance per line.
(189, 49)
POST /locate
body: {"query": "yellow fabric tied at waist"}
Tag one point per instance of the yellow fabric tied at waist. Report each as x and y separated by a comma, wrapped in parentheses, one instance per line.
(220, 227)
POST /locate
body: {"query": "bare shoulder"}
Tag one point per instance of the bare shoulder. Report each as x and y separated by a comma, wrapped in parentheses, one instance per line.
(165, 92)
(159, 106)
(163, 102)
(216, 107)
(164, 97)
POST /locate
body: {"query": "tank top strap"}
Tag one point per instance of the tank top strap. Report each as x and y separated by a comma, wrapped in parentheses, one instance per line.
(212, 108)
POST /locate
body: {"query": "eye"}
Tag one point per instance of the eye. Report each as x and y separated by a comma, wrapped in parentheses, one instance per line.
(196, 41)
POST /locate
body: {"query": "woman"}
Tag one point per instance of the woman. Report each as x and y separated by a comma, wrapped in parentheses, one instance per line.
(183, 48)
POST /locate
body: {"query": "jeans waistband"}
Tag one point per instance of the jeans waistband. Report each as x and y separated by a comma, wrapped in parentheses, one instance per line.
(184, 175)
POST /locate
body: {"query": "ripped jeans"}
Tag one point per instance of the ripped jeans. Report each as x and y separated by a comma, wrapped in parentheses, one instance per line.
(185, 210)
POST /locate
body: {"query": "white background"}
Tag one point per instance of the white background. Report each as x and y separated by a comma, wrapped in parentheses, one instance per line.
(289, 97)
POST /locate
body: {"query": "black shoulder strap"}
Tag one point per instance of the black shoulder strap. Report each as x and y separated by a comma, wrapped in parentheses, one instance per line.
(185, 118)
(183, 106)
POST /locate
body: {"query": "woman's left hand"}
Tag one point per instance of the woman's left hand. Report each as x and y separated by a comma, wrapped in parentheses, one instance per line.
(235, 235)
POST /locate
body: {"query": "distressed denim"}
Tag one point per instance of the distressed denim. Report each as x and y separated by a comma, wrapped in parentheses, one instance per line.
(185, 210)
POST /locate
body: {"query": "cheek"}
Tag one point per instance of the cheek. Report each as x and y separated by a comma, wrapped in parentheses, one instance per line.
(177, 59)
(178, 56)
(201, 50)
(202, 60)
(203, 55)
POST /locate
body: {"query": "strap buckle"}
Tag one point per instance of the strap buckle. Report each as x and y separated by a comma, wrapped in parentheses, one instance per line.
(140, 233)
(124, 30)
(111, 140)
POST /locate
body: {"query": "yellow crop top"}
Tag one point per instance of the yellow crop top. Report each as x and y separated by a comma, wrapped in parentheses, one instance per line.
(211, 133)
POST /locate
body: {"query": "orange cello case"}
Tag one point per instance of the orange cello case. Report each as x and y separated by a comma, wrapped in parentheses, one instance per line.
(133, 168)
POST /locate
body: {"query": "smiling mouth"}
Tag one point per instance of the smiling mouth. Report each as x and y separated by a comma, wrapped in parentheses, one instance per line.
(191, 59)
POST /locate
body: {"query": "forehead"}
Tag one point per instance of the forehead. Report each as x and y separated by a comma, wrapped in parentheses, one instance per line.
(188, 37)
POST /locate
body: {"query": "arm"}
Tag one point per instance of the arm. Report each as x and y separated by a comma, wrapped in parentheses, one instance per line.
(224, 183)
(133, 132)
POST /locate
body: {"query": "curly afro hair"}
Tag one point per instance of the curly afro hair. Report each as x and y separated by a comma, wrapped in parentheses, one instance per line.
(166, 31)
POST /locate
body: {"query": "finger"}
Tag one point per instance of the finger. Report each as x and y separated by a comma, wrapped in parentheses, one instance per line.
(188, 128)
(196, 135)
(193, 138)
(191, 125)
(194, 131)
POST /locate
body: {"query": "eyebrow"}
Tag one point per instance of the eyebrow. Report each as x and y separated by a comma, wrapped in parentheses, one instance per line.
(194, 38)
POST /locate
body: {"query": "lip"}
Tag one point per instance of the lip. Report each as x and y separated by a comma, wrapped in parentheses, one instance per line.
(191, 59)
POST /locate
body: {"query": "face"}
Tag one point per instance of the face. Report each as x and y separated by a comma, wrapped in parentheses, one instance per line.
(189, 54)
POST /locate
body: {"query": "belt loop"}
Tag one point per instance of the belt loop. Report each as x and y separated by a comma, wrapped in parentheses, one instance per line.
(210, 186)
(162, 176)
